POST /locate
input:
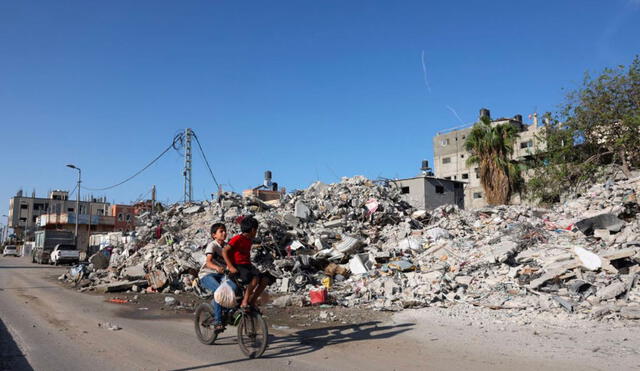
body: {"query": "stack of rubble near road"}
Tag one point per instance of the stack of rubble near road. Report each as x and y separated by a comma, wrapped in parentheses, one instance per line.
(374, 250)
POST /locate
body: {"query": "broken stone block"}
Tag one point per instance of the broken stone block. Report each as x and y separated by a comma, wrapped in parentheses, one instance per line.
(156, 279)
(193, 209)
(134, 272)
(119, 286)
(602, 234)
(602, 221)
(630, 312)
(612, 291)
(99, 260)
(302, 211)
(588, 259)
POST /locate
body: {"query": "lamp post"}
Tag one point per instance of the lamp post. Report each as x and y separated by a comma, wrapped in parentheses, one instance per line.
(77, 200)
(5, 232)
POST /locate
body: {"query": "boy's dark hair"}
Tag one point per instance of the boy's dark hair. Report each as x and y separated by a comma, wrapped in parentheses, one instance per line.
(216, 226)
(248, 223)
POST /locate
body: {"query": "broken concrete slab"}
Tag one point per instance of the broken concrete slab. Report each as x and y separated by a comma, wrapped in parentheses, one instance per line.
(611, 291)
(119, 286)
(99, 260)
(302, 211)
(602, 221)
(588, 259)
(135, 272)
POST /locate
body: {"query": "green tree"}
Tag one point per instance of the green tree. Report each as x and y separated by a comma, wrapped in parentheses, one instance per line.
(598, 124)
(491, 148)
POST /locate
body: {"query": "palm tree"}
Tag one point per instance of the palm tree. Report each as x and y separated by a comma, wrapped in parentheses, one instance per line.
(491, 148)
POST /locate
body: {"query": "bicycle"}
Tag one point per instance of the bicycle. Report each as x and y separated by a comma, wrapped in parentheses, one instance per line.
(252, 333)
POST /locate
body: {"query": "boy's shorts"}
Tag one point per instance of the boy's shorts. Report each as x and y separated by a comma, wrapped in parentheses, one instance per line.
(246, 272)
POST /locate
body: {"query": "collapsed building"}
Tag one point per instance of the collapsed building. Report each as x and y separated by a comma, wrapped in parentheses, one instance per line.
(369, 248)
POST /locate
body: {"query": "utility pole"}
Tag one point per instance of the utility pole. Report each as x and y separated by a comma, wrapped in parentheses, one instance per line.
(188, 189)
(153, 198)
(77, 200)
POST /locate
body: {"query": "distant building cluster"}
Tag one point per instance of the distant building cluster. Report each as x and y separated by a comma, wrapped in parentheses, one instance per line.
(450, 156)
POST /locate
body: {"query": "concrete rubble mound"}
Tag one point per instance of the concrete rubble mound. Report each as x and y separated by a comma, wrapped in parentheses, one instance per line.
(369, 248)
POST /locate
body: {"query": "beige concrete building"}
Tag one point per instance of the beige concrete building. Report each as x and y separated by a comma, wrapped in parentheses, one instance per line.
(450, 157)
(24, 211)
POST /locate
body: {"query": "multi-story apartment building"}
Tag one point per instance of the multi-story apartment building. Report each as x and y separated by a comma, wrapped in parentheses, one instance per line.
(24, 211)
(450, 156)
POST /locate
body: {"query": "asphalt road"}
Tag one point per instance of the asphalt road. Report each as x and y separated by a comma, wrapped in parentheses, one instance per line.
(44, 326)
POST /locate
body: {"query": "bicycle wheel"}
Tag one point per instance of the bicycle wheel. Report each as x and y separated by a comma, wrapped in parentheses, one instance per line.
(252, 335)
(204, 324)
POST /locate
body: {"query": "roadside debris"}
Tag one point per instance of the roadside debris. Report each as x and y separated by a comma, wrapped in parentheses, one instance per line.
(359, 244)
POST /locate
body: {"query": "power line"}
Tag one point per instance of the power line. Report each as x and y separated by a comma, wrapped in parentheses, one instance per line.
(172, 145)
(205, 160)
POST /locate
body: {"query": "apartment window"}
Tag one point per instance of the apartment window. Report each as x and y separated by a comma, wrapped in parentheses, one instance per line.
(439, 189)
(446, 160)
(404, 190)
(455, 177)
(128, 217)
(527, 144)
(477, 173)
(120, 216)
(447, 177)
(70, 209)
(444, 142)
(100, 211)
(24, 206)
(477, 195)
(465, 176)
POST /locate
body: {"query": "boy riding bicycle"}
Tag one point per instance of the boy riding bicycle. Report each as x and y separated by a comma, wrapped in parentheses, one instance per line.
(237, 256)
(212, 271)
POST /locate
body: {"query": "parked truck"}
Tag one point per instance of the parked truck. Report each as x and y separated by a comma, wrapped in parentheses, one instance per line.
(46, 241)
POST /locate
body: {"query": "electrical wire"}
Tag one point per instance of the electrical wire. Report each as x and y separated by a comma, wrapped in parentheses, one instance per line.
(176, 139)
(205, 160)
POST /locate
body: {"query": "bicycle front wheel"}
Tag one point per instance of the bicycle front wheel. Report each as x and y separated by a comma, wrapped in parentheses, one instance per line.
(253, 335)
(203, 322)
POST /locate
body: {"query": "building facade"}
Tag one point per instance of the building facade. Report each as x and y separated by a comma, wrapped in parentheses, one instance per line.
(24, 211)
(426, 192)
(87, 225)
(450, 157)
(124, 218)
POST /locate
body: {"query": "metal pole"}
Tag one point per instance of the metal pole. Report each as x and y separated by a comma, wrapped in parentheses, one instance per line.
(188, 189)
(78, 205)
(153, 198)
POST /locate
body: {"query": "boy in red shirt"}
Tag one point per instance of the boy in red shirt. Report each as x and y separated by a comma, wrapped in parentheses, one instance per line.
(237, 255)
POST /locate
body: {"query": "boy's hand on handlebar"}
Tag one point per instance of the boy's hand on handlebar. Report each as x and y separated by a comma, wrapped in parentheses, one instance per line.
(233, 270)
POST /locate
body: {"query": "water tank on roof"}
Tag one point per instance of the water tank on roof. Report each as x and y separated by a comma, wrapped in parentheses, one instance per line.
(425, 165)
(518, 118)
(484, 112)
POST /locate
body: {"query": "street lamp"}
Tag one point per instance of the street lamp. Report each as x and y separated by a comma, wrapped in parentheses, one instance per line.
(5, 232)
(77, 200)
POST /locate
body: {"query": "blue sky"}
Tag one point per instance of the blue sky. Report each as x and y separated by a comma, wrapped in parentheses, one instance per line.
(311, 90)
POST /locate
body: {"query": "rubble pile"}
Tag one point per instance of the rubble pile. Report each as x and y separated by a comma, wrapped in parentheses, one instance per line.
(360, 241)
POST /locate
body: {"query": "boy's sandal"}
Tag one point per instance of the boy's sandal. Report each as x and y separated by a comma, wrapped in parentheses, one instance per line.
(218, 327)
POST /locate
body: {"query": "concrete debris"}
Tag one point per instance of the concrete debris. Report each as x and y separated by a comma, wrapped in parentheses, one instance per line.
(366, 247)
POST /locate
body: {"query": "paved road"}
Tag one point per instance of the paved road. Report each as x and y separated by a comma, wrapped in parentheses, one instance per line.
(45, 326)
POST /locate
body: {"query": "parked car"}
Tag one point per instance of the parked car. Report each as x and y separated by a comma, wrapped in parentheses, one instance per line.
(64, 254)
(10, 250)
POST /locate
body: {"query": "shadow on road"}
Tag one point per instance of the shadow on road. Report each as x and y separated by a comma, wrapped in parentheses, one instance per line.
(29, 267)
(308, 341)
(11, 357)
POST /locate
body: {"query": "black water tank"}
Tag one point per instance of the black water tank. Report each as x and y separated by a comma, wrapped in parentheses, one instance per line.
(484, 112)
(518, 118)
(267, 175)
(425, 165)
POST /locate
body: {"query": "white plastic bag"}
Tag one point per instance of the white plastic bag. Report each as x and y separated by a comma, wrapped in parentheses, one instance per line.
(225, 295)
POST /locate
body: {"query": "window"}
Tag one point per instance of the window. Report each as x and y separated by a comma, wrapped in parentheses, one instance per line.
(465, 176)
(100, 212)
(24, 206)
(404, 190)
(120, 216)
(447, 177)
(526, 144)
(477, 173)
(455, 177)
(477, 195)
(23, 219)
(462, 155)
(70, 209)
(446, 160)
(444, 142)
(128, 217)
(439, 189)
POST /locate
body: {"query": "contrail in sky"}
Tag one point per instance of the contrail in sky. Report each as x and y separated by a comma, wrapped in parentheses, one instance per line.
(455, 114)
(424, 73)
